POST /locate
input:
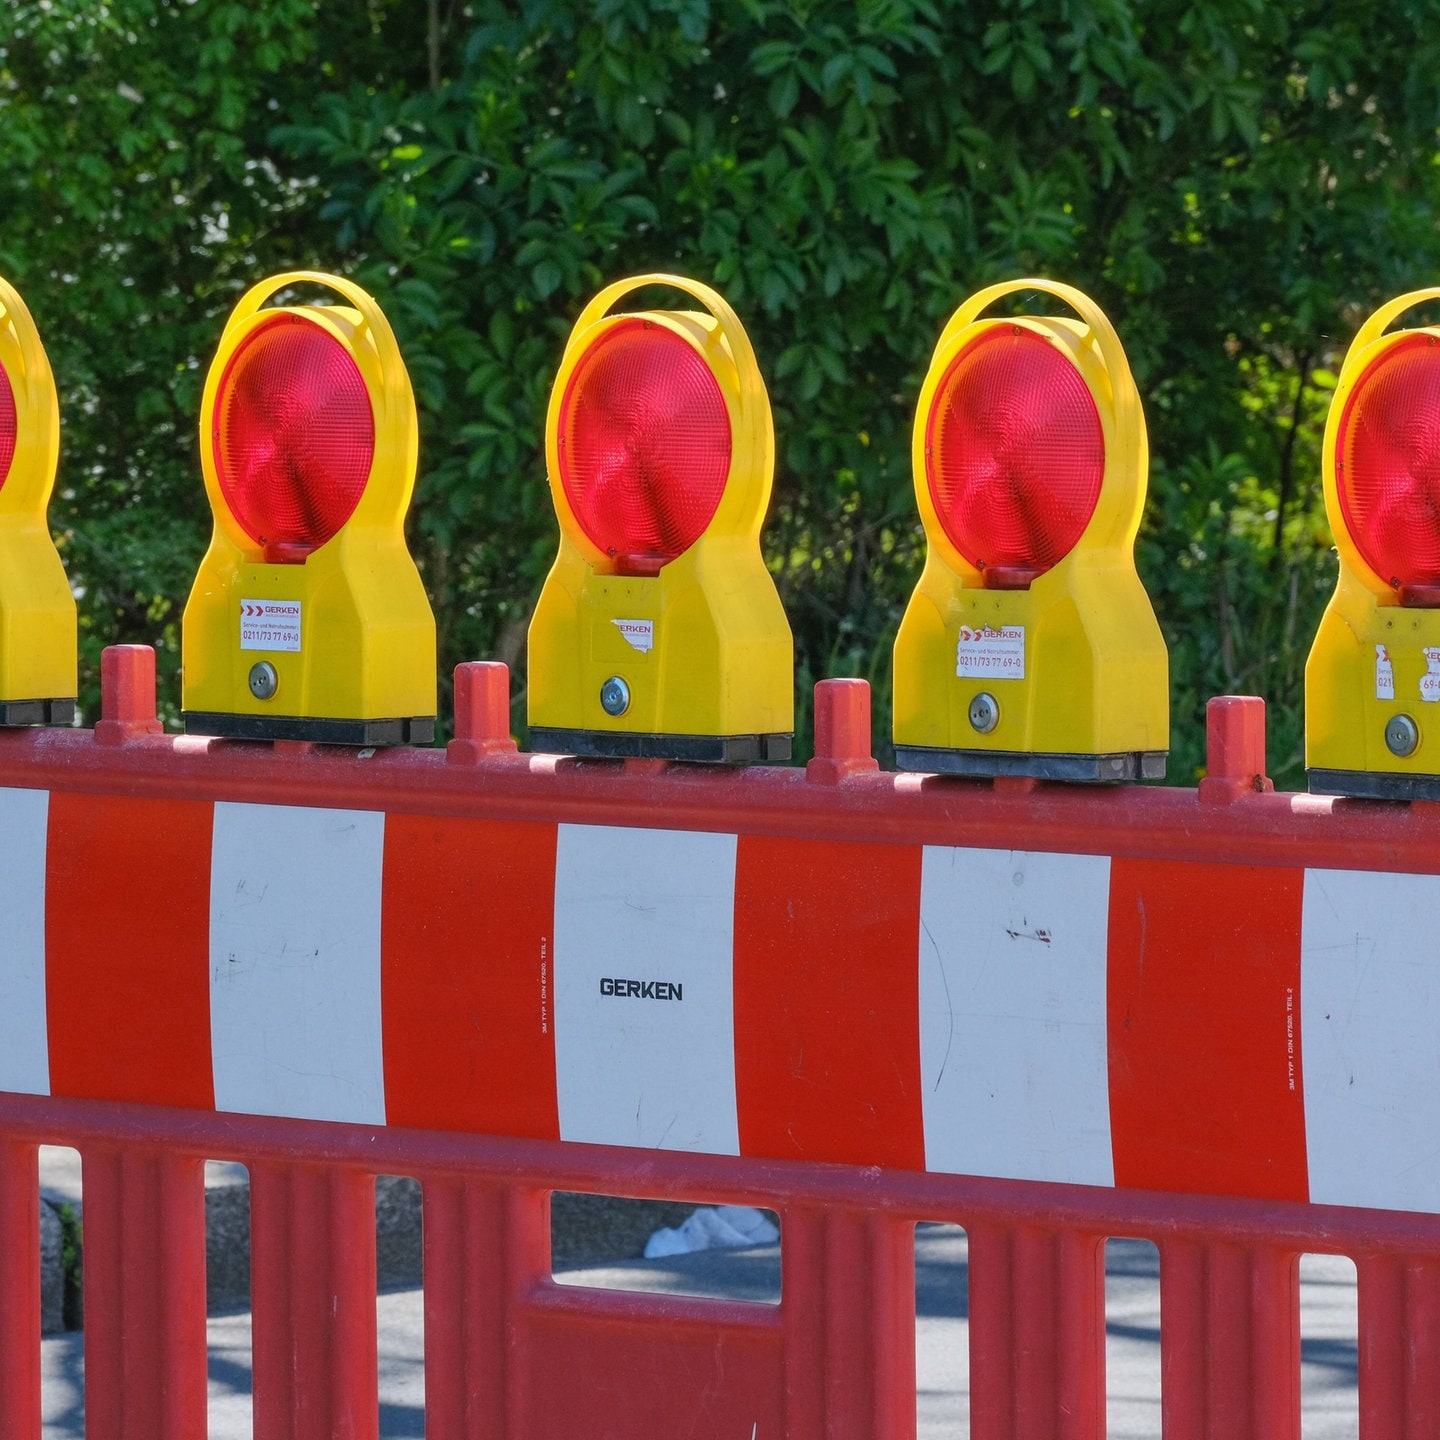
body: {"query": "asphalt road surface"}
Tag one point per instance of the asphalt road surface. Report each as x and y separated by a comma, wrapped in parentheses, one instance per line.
(942, 1381)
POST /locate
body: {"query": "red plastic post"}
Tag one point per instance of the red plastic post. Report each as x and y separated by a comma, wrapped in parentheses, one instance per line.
(1234, 749)
(482, 712)
(312, 1289)
(842, 731)
(485, 1245)
(144, 1295)
(848, 1291)
(1399, 1334)
(127, 695)
(19, 1290)
(1229, 1342)
(1037, 1334)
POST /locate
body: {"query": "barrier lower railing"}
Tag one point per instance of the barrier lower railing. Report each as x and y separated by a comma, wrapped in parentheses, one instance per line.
(509, 1352)
(1050, 1014)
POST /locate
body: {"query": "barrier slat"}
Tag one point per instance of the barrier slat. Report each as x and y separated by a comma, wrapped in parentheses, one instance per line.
(19, 1290)
(312, 1285)
(1229, 1341)
(848, 1293)
(1037, 1334)
(1230, 1337)
(485, 1246)
(144, 1295)
(1399, 1332)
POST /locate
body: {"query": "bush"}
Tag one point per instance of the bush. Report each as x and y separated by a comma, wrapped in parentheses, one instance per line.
(1236, 183)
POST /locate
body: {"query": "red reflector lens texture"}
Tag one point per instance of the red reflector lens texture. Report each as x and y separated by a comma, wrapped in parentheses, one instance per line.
(294, 436)
(644, 445)
(8, 425)
(1387, 463)
(1014, 452)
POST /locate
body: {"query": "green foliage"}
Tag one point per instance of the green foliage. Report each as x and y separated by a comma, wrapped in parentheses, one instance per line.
(1235, 181)
(140, 195)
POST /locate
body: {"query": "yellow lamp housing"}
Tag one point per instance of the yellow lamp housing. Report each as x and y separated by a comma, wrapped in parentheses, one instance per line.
(1373, 674)
(1030, 647)
(307, 619)
(659, 632)
(37, 609)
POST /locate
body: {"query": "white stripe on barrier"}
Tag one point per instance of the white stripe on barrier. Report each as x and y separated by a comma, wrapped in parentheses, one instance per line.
(1012, 954)
(644, 1016)
(1370, 1038)
(24, 1046)
(295, 962)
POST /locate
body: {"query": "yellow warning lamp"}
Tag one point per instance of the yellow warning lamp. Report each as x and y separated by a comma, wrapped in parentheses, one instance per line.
(1372, 682)
(307, 620)
(1029, 646)
(37, 610)
(659, 632)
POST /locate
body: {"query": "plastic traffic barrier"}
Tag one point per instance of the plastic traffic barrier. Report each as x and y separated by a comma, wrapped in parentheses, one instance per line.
(1049, 1013)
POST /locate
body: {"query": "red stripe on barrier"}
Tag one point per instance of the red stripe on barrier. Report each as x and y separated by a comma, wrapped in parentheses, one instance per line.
(127, 949)
(1204, 1025)
(827, 1041)
(467, 975)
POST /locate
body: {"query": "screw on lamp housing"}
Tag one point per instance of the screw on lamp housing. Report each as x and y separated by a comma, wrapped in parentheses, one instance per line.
(1402, 735)
(984, 713)
(614, 696)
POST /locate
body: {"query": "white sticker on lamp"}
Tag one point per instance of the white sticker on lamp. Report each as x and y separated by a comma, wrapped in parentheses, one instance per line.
(270, 625)
(1430, 680)
(1384, 674)
(985, 653)
(639, 634)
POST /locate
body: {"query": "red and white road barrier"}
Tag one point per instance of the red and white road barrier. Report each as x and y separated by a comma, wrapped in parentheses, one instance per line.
(799, 988)
(1159, 1023)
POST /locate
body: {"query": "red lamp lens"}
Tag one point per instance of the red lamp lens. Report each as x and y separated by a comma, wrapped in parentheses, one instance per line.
(9, 427)
(644, 445)
(1387, 463)
(1014, 453)
(294, 436)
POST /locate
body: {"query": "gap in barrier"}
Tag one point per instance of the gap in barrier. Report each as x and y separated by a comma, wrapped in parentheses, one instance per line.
(1329, 1348)
(62, 1193)
(598, 1242)
(399, 1307)
(230, 1358)
(62, 1373)
(1132, 1339)
(942, 1331)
